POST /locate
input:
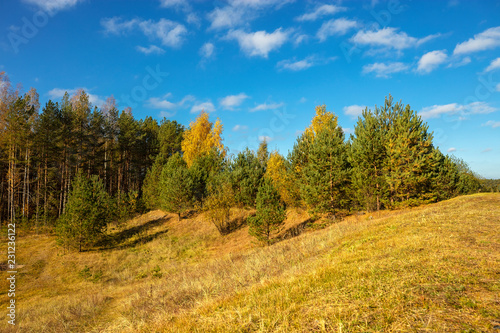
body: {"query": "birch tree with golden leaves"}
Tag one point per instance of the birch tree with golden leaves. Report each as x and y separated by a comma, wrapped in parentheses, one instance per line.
(201, 137)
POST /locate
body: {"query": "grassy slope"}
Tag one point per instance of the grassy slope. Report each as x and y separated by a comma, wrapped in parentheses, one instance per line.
(432, 268)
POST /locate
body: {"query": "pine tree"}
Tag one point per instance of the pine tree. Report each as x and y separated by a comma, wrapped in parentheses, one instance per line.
(246, 175)
(326, 174)
(175, 186)
(410, 156)
(367, 157)
(271, 213)
(86, 215)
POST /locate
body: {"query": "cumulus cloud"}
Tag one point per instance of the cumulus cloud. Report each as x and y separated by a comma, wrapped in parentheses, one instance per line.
(204, 106)
(486, 40)
(299, 65)
(152, 49)
(335, 27)
(430, 61)
(492, 124)
(495, 64)
(452, 149)
(354, 111)
(259, 43)
(319, 12)
(385, 70)
(232, 101)
(266, 106)
(437, 111)
(52, 6)
(389, 38)
(169, 33)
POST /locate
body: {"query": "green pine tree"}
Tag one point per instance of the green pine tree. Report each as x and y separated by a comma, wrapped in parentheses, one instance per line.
(271, 213)
(175, 186)
(326, 174)
(86, 215)
(367, 157)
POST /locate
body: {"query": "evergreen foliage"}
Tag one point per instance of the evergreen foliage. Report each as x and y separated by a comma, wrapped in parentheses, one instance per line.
(86, 215)
(326, 174)
(270, 215)
(246, 174)
(176, 194)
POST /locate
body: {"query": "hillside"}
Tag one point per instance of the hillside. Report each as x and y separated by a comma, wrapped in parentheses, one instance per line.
(430, 268)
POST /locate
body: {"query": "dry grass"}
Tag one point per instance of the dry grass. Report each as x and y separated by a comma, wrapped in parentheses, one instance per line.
(433, 268)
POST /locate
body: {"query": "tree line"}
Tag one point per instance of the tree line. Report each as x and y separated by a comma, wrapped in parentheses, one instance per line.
(54, 157)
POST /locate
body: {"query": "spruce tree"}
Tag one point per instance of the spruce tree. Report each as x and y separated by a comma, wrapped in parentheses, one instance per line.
(271, 213)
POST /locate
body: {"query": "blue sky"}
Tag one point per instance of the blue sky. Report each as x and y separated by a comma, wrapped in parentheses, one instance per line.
(261, 66)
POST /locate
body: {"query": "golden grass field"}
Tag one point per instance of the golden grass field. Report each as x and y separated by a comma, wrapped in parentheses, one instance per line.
(434, 268)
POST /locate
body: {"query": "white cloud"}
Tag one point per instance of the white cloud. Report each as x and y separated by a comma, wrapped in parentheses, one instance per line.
(240, 128)
(58, 93)
(152, 49)
(296, 65)
(167, 106)
(354, 110)
(319, 12)
(192, 18)
(385, 70)
(177, 4)
(232, 101)
(207, 50)
(240, 12)
(388, 38)
(492, 124)
(302, 100)
(52, 6)
(265, 106)
(265, 138)
(205, 106)
(451, 150)
(225, 17)
(299, 65)
(486, 150)
(495, 64)
(431, 60)
(460, 63)
(117, 26)
(169, 33)
(437, 111)
(299, 39)
(259, 43)
(347, 130)
(498, 87)
(161, 103)
(335, 27)
(486, 40)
